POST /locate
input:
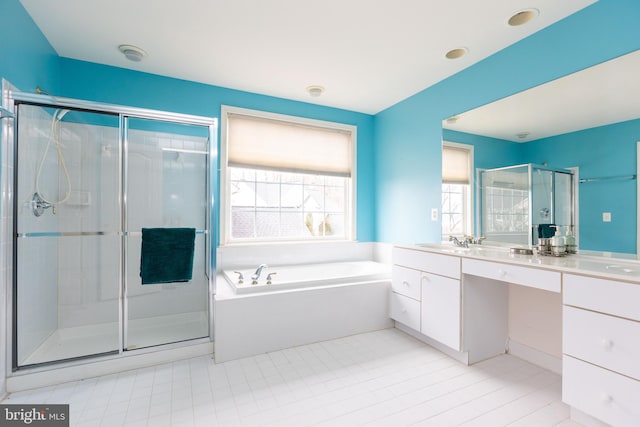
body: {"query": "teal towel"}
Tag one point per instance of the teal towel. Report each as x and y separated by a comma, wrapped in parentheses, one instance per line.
(167, 255)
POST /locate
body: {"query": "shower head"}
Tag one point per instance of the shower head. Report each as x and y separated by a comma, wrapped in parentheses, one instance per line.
(4, 113)
(59, 114)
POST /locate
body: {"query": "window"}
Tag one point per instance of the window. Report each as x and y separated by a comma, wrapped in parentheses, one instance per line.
(457, 185)
(286, 178)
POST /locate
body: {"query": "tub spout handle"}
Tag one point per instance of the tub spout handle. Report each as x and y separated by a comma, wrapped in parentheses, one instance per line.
(240, 277)
(269, 277)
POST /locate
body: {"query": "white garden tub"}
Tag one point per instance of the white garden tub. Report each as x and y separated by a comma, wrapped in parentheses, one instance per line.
(304, 304)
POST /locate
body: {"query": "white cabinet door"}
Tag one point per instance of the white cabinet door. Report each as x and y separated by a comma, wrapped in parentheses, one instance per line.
(405, 310)
(443, 265)
(441, 309)
(526, 276)
(610, 397)
(606, 296)
(608, 341)
(406, 281)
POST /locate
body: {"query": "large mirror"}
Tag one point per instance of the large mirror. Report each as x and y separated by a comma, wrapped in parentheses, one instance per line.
(588, 121)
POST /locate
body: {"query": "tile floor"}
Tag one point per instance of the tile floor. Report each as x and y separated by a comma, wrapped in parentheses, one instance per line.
(383, 378)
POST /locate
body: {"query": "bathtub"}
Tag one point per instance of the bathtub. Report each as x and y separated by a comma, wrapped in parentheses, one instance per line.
(308, 275)
(304, 304)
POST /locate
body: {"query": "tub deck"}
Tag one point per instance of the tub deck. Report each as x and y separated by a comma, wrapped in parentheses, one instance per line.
(309, 275)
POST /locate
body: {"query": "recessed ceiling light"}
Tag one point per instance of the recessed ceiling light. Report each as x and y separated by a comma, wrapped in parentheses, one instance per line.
(453, 120)
(315, 90)
(522, 135)
(133, 53)
(457, 53)
(522, 17)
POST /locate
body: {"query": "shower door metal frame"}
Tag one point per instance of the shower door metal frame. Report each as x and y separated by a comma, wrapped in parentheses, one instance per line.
(530, 167)
(12, 99)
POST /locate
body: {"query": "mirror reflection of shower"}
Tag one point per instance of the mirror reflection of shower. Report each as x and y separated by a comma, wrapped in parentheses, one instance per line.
(40, 201)
(516, 200)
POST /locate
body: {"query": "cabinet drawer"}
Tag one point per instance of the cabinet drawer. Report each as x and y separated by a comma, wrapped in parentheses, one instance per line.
(603, 394)
(440, 317)
(526, 276)
(607, 341)
(444, 265)
(405, 310)
(607, 296)
(405, 281)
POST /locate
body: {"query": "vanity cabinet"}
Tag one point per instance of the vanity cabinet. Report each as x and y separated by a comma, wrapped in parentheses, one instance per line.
(426, 294)
(601, 348)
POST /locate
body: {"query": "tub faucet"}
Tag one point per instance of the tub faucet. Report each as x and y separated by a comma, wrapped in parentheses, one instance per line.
(258, 272)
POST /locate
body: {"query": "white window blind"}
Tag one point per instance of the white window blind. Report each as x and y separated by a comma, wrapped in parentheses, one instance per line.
(455, 165)
(263, 143)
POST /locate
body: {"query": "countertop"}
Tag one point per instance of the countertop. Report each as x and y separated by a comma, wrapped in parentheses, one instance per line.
(605, 265)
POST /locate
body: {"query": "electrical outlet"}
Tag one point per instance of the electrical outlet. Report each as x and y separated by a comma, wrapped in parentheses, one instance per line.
(434, 214)
(606, 216)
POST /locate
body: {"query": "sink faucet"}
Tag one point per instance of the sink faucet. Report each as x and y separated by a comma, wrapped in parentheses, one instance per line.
(462, 243)
(475, 240)
(258, 272)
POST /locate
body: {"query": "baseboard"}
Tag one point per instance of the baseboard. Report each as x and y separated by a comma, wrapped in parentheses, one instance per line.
(43, 377)
(461, 357)
(535, 356)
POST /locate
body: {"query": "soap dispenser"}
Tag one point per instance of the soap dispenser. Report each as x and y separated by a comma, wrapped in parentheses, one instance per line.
(570, 241)
(558, 245)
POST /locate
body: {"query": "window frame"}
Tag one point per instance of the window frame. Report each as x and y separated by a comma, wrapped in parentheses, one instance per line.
(225, 178)
(470, 212)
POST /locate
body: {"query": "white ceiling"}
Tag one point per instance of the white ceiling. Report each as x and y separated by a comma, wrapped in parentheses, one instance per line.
(368, 54)
(600, 95)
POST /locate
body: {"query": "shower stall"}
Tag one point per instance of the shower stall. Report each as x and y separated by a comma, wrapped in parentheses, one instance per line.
(515, 200)
(86, 179)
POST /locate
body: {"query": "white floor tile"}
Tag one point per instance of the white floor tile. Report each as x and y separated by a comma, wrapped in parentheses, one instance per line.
(383, 378)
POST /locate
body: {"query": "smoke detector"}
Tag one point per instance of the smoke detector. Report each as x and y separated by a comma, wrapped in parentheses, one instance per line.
(132, 53)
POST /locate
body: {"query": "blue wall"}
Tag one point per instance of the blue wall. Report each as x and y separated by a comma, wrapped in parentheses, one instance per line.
(85, 80)
(409, 134)
(399, 159)
(27, 60)
(607, 151)
(488, 152)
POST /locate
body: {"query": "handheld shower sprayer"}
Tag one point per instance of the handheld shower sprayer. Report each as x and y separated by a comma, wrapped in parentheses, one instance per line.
(39, 201)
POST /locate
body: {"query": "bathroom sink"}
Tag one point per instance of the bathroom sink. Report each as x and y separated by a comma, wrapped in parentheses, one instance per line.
(444, 247)
(450, 248)
(619, 268)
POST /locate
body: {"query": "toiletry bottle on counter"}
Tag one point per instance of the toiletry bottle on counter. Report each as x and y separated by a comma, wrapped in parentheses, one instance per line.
(558, 247)
(570, 242)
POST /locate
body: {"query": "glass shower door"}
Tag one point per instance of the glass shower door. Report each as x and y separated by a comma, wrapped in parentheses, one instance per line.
(67, 235)
(166, 190)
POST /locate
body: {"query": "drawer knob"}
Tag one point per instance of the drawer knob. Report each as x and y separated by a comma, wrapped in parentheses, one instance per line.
(502, 273)
(404, 310)
(606, 344)
(606, 398)
(406, 283)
